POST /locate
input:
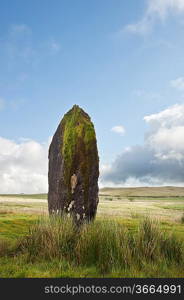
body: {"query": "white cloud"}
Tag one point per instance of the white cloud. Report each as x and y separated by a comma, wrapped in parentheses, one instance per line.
(160, 160)
(178, 83)
(167, 131)
(142, 27)
(23, 166)
(156, 10)
(172, 116)
(118, 129)
(164, 7)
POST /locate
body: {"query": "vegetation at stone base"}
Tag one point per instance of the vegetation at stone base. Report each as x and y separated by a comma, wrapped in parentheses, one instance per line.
(55, 248)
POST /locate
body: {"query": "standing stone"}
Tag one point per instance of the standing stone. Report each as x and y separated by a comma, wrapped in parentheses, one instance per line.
(74, 167)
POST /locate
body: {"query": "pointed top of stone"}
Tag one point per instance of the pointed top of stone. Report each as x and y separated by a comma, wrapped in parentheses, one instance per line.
(75, 106)
(78, 112)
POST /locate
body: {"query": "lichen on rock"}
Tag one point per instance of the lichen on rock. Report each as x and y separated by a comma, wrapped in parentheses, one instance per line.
(74, 167)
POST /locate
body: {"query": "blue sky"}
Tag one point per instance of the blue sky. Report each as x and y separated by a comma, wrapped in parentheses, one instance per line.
(119, 60)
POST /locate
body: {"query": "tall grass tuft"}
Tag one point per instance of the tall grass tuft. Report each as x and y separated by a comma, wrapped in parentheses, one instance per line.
(148, 240)
(154, 244)
(50, 237)
(105, 244)
(172, 249)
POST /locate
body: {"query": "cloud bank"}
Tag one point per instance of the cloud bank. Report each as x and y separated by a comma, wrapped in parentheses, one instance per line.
(23, 166)
(160, 161)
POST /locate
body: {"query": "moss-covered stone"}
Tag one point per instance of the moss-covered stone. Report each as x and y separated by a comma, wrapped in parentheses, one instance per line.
(74, 167)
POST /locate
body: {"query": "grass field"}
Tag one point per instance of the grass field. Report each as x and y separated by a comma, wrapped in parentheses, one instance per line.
(126, 209)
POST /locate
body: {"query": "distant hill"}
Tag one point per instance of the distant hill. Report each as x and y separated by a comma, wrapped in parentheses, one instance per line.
(166, 191)
(30, 196)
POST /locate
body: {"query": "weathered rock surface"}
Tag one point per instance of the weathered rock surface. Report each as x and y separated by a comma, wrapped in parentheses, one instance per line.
(74, 167)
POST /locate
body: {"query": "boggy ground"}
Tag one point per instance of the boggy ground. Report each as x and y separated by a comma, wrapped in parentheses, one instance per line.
(125, 215)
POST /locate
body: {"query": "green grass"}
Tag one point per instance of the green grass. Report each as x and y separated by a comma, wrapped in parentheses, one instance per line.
(120, 243)
(14, 225)
(173, 207)
(43, 247)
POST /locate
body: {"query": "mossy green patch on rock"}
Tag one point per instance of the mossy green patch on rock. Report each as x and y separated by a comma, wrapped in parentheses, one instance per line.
(78, 132)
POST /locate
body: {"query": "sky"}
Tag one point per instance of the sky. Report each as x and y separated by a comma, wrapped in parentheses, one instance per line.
(121, 61)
